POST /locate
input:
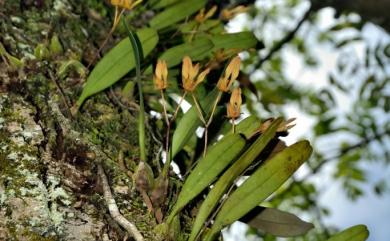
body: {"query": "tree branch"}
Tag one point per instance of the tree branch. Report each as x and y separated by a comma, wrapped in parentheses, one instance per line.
(287, 38)
(345, 150)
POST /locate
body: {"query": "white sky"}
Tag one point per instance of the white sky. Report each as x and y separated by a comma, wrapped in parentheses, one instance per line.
(369, 210)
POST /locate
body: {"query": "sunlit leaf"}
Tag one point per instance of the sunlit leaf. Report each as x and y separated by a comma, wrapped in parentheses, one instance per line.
(262, 183)
(240, 40)
(227, 179)
(176, 13)
(217, 158)
(355, 233)
(246, 127)
(157, 4)
(116, 64)
(196, 50)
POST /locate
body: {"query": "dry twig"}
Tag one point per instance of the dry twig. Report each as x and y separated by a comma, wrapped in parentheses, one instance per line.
(113, 208)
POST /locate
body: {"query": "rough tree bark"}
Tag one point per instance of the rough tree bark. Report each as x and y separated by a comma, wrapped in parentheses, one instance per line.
(49, 189)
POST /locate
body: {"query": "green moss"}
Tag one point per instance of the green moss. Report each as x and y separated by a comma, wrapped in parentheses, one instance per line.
(17, 232)
(101, 121)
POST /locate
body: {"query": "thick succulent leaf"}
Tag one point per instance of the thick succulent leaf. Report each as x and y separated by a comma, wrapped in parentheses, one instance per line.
(276, 222)
(197, 50)
(355, 233)
(262, 183)
(117, 63)
(218, 157)
(240, 40)
(190, 121)
(246, 127)
(176, 13)
(228, 177)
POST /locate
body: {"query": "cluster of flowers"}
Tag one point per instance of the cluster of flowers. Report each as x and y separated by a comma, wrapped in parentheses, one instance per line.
(192, 77)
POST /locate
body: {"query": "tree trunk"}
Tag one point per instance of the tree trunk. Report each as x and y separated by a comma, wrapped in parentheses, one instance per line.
(49, 188)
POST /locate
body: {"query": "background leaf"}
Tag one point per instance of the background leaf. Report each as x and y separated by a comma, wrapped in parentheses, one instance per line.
(355, 233)
(157, 4)
(175, 13)
(241, 40)
(196, 50)
(276, 222)
(116, 64)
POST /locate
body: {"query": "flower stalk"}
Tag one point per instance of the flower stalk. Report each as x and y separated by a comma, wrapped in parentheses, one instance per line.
(120, 7)
(160, 80)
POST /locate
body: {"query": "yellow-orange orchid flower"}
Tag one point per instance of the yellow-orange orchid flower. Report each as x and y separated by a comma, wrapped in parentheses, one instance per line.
(126, 4)
(283, 127)
(234, 106)
(160, 77)
(203, 15)
(227, 14)
(190, 77)
(220, 56)
(230, 75)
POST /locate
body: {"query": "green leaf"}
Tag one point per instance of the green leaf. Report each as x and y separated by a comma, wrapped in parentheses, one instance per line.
(261, 184)
(336, 83)
(55, 46)
(344, 25)
(72, 64)
(227, 179)
(378, 57)
(163, 3)
(116, 64)
(355, 233)
(275, 222)
(386, 51)
(189, 122)
(41, 52)
(136, 45)
(176, 13)
(15, 62)
(344, 42)
(138, 58)
(196, 50)
(218, 157)
(241, 40)
(246, 127)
